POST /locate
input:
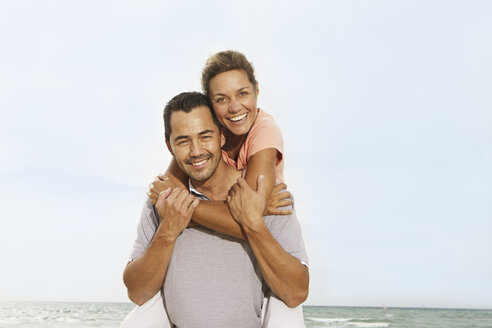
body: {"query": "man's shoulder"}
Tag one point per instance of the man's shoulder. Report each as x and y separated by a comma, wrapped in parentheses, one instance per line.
(149, 216)
(286, 229)
(277, 223)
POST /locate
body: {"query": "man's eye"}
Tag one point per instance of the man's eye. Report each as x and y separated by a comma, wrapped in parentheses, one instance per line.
(182, 142)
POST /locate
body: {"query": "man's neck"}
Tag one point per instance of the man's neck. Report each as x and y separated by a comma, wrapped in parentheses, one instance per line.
(217, 186)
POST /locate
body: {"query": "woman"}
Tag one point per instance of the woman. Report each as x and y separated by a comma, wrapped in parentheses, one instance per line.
(252, 140)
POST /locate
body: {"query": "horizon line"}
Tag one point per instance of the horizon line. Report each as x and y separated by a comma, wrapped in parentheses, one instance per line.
(423, 308)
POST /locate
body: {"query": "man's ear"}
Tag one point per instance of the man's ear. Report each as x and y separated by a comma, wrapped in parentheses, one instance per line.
(222, 140)
(169, 147)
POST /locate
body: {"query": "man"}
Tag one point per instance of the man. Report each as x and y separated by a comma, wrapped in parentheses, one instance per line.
(211, 279)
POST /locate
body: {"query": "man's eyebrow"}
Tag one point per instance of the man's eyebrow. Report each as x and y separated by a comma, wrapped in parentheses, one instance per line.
(180, 138)
(206, 131)
(187, 137)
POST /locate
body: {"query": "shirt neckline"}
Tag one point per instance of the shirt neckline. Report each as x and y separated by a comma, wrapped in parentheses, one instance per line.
(194, 191)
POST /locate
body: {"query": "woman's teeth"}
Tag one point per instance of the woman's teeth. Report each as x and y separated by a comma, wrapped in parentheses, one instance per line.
(238, 118)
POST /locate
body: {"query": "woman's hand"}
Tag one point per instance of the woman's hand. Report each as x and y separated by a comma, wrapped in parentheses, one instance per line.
(160, 183)
(278, 199)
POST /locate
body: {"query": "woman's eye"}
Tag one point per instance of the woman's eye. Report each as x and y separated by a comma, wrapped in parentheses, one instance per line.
(243, 93)
(219, 100)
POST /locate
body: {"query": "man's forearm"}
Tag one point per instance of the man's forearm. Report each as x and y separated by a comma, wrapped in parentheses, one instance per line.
(145, 275)
(286, 276)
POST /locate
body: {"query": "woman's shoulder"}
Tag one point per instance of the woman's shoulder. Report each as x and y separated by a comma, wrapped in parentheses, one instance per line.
(264, 133)
(264, 117)
(264, 122)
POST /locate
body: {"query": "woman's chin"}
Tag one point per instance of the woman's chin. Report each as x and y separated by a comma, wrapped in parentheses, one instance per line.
(238, 131)
(240, 128)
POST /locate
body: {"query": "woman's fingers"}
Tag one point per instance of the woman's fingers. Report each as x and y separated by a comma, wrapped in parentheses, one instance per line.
(278, 188)
(276, 211)
(282, 203)
(193, 205)
(280, 196)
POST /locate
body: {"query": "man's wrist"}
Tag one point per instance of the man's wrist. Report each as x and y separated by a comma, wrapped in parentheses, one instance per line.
(165, 237)
(254, 225)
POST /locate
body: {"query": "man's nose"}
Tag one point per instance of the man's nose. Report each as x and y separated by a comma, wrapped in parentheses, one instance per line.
(195, 149)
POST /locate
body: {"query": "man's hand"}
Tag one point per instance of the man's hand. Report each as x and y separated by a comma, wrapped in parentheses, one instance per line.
(175, 209)
(160, 183)
(247, 205)
(145, 275)
(283, 273)
(278, 199)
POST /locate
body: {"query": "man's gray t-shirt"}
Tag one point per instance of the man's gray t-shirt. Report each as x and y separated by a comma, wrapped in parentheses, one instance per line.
(214, 280)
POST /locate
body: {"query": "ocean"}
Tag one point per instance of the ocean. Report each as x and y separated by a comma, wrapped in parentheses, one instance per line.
(341, 317)
(84, 315)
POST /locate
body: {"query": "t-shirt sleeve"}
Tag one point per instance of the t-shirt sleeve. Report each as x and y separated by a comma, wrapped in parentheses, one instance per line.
(145, 231)
(266, 134)
(287, 231)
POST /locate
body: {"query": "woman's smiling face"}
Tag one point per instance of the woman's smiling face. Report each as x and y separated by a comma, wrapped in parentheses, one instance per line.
(234, 100)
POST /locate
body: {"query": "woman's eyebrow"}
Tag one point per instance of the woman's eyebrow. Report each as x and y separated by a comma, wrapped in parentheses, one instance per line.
(225, 95)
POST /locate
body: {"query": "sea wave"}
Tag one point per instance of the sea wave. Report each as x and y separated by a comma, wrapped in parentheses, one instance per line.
(350, 322)
(330, 320)
(369, 324)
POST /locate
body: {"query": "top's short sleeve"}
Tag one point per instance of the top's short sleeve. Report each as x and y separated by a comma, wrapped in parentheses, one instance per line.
(287, 231)
(146, 230)
(264, 134)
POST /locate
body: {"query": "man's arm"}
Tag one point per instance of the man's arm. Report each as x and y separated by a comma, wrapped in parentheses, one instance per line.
(286, 276)
(216, 215)
(145, 276)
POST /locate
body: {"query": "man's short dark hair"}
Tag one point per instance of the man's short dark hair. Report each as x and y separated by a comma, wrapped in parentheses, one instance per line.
(186, 102)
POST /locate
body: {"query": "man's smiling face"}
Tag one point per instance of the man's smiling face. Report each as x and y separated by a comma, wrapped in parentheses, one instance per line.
(195, 142)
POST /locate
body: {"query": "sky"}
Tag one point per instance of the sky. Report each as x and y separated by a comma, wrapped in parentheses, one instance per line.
(385, 108)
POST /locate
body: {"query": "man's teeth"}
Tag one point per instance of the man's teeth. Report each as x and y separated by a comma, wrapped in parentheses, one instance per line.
(199, 163)
(238, 118)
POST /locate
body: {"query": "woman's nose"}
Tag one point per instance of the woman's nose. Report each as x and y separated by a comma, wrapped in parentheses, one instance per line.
(234, 106)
